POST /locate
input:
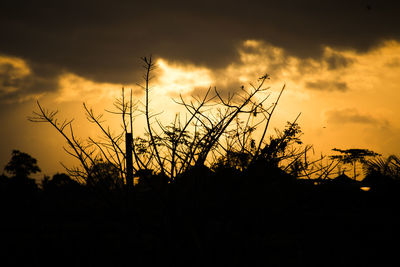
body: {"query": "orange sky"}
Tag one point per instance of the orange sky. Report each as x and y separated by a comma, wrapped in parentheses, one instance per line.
(339, 60)
(347, 99)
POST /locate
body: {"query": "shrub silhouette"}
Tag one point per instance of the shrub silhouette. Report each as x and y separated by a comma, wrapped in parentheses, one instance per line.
(59, 181)
(105, 175)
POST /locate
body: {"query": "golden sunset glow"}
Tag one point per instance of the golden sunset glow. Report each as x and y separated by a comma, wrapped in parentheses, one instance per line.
(347, 98)
(73, 87)
(180, 78)
(344, 96)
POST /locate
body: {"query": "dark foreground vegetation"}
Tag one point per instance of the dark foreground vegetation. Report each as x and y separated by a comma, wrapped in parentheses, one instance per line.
(260, 217)
(214, 188)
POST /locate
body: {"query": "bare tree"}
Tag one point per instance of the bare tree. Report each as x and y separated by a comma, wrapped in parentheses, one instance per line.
(214, 128)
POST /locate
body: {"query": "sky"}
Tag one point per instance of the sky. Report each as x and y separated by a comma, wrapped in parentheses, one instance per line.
(340, 61)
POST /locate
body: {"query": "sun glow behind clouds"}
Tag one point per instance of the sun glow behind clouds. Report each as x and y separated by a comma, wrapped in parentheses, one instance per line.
(179, 78)
(366, 83)
(361, 89)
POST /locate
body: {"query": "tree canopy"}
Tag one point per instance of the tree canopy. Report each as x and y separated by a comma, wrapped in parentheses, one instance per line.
(21, 165)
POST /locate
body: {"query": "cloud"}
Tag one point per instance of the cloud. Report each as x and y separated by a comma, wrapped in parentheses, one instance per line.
(353, 116)
(324, 85)
(337, 61)
(18, 82)
(12, 73)
(102, 40)
(72, 87)
(176, 79)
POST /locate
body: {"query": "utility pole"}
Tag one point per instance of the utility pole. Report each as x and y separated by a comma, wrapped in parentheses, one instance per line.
(129, 161)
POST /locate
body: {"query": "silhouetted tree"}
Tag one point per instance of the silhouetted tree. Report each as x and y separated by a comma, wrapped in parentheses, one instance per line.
(21, 165)
(351, 156)
(19, 191)
(216, 129)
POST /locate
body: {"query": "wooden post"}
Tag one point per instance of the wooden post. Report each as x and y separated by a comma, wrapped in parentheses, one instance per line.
(129, 161)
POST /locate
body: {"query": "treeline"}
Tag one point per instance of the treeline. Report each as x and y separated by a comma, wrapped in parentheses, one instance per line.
(222, 216)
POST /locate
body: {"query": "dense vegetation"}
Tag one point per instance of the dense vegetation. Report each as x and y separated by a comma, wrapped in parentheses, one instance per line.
(206, 218)
(210, 192)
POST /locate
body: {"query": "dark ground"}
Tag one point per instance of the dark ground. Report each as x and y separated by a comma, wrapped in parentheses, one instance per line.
(203, 220)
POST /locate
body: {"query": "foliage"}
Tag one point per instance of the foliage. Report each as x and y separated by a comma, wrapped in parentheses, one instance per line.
(351, 156)
(389, 166)
(354, 154)
(21, 165)
(104, 174)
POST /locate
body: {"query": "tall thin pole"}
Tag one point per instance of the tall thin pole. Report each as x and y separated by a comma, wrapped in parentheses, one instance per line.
(129, 162)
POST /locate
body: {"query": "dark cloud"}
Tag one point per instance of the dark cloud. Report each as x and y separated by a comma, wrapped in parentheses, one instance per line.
(337, 61)
(17, 86)
(324, 85)
(353, 116)
(103, 40)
